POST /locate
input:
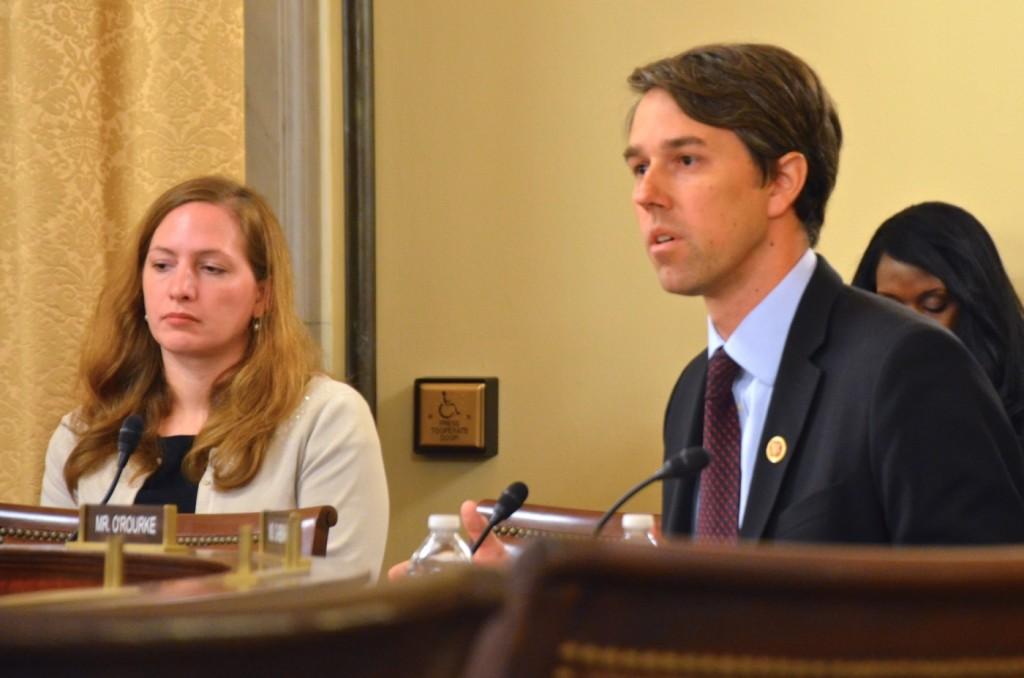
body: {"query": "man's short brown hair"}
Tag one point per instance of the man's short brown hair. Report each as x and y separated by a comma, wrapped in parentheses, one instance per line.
(770, 98)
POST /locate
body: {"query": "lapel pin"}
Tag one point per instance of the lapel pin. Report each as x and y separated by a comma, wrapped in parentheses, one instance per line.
(776, 449)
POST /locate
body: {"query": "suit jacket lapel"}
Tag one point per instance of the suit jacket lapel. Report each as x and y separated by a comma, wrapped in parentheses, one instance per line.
(684, 428)
(792, 396)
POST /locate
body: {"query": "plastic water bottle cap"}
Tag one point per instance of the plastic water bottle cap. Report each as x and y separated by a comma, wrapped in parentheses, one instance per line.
(443, 521)
(638, 521)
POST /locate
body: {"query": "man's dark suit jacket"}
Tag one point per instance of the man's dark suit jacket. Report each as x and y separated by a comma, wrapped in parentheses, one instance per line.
(894, 434)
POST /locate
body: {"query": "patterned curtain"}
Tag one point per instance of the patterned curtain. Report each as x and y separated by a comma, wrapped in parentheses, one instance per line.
(103, 105)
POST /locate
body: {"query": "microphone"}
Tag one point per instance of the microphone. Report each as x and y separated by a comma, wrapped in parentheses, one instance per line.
(688, 461)
(508, 503)
(127, 440)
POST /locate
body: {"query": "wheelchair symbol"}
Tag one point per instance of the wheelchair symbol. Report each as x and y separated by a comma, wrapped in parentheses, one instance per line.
(447, 409)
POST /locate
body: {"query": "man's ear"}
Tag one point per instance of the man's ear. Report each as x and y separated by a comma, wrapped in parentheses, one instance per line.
(789, 180)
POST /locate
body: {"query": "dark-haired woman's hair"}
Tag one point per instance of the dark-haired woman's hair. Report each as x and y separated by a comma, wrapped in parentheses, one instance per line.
(949, 243)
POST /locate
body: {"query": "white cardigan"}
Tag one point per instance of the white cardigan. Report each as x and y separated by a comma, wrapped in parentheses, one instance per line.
(327, 452)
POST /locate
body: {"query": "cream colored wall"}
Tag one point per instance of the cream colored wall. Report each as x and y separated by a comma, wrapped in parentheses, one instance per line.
(506, 242)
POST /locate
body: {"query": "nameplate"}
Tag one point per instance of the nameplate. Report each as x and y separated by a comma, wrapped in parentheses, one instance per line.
(274, 537)
(137, 524)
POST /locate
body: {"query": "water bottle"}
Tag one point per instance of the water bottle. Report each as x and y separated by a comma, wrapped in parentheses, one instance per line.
(443, 549)
(638, 528)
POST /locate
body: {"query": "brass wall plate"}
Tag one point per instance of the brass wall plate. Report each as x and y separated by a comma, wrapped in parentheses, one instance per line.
(456, 416)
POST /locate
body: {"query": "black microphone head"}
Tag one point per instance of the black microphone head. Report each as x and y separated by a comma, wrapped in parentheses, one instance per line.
(130, 434)
(688, 461)
(509, 501)
(516, 493)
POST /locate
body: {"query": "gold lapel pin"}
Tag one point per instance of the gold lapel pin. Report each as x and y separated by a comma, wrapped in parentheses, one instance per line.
(776, 449)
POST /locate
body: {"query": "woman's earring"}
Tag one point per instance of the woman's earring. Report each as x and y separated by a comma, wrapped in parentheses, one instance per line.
(255, 324)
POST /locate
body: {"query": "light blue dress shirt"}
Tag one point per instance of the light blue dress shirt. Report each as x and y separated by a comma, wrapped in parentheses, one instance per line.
(756, 346)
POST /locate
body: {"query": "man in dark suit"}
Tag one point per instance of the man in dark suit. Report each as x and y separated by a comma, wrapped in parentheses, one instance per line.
(858, 421)
(850, 420)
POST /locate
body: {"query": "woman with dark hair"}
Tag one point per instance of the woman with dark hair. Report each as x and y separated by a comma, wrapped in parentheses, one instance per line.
(196, 332)
(939, 260)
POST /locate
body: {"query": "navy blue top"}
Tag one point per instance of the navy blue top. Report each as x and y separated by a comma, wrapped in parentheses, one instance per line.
(167, 485)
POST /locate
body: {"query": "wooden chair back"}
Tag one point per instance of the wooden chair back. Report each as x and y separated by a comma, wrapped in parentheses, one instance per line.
(589, 609)
(536, 521)
(40, 525)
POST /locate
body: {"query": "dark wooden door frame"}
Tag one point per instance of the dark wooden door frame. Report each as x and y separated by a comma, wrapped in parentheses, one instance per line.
(360, 200)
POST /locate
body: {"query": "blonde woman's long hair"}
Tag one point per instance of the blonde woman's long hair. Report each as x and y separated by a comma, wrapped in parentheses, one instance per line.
(121, 370)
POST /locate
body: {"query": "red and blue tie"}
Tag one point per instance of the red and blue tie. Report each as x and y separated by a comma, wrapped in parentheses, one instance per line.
(718, 514)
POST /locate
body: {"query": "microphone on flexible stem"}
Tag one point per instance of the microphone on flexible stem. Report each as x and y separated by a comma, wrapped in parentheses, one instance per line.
(127, 440)
(688, 461)
(508, 503)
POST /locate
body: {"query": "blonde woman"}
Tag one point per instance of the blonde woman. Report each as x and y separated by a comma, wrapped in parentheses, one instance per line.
(196, 331)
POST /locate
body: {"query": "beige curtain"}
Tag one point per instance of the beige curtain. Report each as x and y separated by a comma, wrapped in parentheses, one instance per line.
(103, 104)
